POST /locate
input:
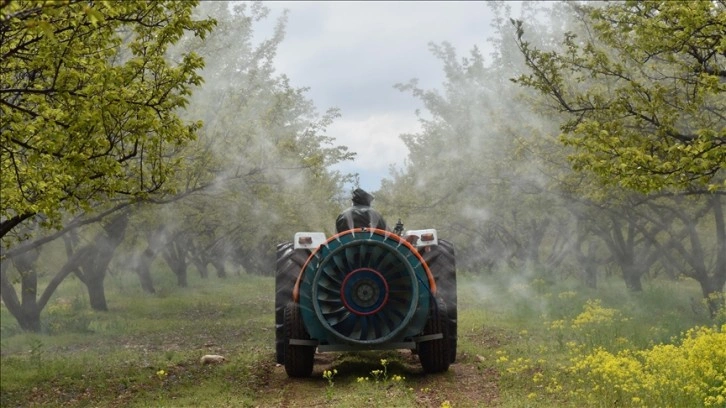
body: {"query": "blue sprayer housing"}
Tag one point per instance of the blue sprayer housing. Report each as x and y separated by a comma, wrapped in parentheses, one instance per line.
(364, 289)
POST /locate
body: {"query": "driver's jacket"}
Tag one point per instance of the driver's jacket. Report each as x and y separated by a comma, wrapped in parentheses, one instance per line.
(359, 216)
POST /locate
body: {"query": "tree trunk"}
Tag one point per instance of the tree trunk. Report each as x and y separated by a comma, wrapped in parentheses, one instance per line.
(219, 267)
(175, 256)
(714, 290)
(198, 258)
(96, 293)
(720, 270)
(93, 276)
(217, 256)
(535, 237)
(26, 314)
(588, 262)
(143, 270)
(94, 267)
(181, 276)
(622, 246)
(589, 276)
(712, 284)
(30, 320)
(26, 311)
(156, 242)
(632, 275)
(201, 268)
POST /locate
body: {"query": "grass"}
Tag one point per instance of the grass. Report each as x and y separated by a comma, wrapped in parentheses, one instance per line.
(516, 341)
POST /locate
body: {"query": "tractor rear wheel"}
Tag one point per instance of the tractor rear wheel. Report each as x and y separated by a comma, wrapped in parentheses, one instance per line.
(289, 264)
(299, 359)
(435, 355)
(442, 263)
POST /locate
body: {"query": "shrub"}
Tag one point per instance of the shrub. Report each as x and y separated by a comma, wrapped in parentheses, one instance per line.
(692, 373)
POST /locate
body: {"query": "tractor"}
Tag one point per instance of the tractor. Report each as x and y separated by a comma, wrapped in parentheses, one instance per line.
(365, 289)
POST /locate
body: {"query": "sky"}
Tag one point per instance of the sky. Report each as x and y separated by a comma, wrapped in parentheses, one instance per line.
(351, 54)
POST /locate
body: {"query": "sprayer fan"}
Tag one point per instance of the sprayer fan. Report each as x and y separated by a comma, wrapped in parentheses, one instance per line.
(365, 291)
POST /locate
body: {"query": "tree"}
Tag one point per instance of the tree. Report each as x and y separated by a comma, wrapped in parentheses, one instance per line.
(472, 172)
(687, 224)
(644, 93)
(644, 96)
(89, 102)
(259, 167)
(90, 124)
(89, 262)
(262, 155)
(98, 253)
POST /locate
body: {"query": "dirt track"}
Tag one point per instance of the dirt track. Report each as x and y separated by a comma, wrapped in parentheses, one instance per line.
(466, 384)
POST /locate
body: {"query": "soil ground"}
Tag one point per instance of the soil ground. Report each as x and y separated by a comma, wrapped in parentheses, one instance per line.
(466, 384)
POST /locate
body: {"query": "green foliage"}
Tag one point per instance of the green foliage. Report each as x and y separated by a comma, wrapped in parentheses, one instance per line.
(90, 102)
(260, 165)
(635, 88)
(261, 157)
(643, 93)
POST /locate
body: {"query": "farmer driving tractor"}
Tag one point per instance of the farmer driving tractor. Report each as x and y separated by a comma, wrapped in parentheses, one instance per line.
(360, 214)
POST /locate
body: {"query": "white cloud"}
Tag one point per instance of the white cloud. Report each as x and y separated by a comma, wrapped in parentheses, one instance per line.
(350, 54)
(376, 141)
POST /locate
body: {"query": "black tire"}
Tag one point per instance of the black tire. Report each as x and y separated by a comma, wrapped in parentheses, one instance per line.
(299, 359)
(289, 263)
(435, 355)
(442, 263)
